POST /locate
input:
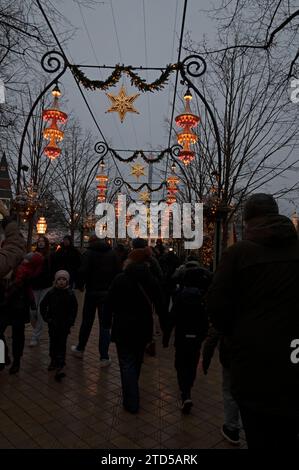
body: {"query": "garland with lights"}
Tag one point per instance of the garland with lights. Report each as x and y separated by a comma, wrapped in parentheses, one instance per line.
(140, 153)
(115, 76)
(120, 182)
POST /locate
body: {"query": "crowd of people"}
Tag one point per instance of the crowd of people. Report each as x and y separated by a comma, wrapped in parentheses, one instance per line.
(247, 309)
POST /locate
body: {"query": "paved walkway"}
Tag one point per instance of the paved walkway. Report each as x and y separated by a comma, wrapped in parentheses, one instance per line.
(85, 410)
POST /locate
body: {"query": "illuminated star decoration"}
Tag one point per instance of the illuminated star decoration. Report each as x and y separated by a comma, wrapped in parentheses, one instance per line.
(137, 170)
(122, 103)
(145, 196)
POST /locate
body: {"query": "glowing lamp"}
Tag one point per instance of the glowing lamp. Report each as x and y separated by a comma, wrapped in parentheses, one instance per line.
(53, 133)
(41, 226)
(187, 137)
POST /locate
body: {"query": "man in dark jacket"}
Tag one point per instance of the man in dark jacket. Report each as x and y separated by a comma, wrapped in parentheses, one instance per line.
(100, 265)
(133, 296)
(254, 299)
(67, 258)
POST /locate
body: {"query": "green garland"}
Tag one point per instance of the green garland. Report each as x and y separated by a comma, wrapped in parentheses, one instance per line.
(115, 76)
(140, 153)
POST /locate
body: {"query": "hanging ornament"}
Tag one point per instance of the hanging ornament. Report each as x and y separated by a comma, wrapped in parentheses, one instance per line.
(41, 226)
(186, 138)
(137, 170)
(145, 196)
(172, 182)
(102, 179)
(171, 199)
(53, 133)
(122, 103)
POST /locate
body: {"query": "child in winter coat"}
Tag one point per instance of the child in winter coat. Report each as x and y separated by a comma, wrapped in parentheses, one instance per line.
(189, 317)
(16, 301)
(59, 309)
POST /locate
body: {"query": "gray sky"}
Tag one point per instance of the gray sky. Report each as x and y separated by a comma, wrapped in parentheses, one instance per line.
(132, 32)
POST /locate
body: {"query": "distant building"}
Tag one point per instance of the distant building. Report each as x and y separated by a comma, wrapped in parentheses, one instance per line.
(5, 186)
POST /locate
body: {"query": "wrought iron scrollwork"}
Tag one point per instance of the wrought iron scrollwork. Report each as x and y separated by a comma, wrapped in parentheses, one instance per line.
(118, 181)
(175, 150)
(53, 61)
(101, 148)
(195, 65)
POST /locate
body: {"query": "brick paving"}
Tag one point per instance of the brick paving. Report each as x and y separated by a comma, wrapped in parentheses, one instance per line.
(85, 411)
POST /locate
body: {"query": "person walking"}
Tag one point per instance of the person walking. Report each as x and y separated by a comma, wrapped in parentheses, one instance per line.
(59, 309)
(16, 301)
(67, 258)
(189, 317)
(132, 299)
(254, 300)
(40, 285)
(100, 265)
(230, 430)
(13, 247)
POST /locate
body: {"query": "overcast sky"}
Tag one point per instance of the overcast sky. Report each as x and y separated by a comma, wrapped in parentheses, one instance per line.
(131, 32)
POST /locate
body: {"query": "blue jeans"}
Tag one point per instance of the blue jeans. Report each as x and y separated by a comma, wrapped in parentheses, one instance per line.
(93, 303)
(231, 409)
(130, 361)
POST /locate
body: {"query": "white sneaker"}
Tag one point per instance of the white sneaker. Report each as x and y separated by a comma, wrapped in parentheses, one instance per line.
(33, 343)
(105, 362)
(76, 352)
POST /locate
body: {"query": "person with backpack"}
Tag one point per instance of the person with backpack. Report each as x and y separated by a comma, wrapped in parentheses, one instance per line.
(189, 318)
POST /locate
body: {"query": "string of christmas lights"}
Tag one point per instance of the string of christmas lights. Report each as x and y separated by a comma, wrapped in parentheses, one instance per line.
(115, 76)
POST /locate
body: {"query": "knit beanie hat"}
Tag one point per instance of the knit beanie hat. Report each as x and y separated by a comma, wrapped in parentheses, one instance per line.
(63, 274)
(259, 205)
(140, 255)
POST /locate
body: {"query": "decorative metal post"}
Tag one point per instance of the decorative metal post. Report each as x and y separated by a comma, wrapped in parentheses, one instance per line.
(51, 62)
(195, 66)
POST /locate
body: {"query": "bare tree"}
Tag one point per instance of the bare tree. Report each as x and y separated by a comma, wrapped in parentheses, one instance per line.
(75, 175)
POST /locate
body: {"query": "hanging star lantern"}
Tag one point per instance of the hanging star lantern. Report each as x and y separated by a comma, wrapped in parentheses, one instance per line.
(122, 103)
(137, 170)
(145, 196)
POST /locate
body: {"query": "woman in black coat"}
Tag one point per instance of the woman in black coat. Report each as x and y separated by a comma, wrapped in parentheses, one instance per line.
(132, 299)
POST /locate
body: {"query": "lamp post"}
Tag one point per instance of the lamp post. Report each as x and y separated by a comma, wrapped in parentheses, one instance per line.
(51, 62)
(195, 66)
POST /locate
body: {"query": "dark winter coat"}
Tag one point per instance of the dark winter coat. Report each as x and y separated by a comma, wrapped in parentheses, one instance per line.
(59, 309)
(16, 303)
(189, 317)
(68, 259)
(129, 303)
(100, 265)
(254, 299)
(214, 339)
(45, 278)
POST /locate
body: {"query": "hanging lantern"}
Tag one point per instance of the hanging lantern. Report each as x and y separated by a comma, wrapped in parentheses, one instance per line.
(186, 138)
(102, 183)
(172, 182)
(171, 199)
(53, 133)
(41, 226)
